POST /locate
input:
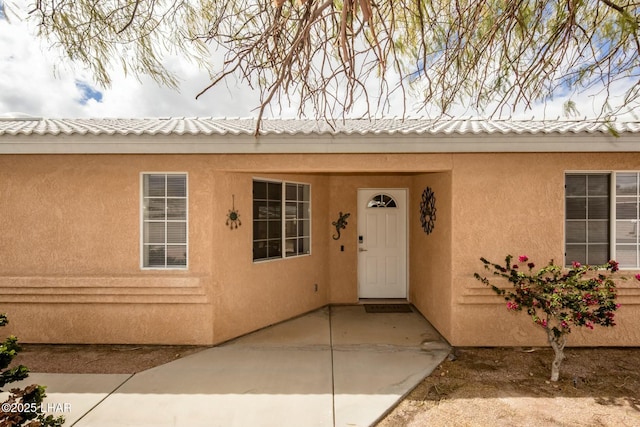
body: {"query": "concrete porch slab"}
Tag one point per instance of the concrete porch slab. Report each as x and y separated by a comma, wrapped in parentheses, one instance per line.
(71, 395)
(335, 366)
(377, 359)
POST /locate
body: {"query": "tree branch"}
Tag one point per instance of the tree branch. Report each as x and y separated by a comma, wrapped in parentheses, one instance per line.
(133, 16)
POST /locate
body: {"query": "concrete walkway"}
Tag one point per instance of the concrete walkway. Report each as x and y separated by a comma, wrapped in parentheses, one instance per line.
(337, 366)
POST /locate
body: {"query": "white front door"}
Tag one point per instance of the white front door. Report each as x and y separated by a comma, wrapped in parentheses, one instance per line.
(382, 243)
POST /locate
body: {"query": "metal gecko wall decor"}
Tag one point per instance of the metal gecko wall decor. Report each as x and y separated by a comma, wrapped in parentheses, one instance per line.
(340, 224)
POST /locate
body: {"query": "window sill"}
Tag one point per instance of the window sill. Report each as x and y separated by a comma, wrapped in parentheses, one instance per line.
(262, 261)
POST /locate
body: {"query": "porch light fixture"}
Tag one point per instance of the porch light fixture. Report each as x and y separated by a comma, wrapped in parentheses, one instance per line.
(428, 210)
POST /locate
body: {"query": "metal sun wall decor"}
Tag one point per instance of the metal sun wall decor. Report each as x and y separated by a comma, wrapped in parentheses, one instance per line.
(341, 223)
(428, 210)
(233, 217)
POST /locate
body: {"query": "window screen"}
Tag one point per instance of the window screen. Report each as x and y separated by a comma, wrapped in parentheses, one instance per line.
(627, 217)
(267, 220)
(164, 220)
(587, 218)
(281, 219)
(297, 219)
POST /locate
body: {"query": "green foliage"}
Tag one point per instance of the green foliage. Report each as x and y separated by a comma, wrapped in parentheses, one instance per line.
(23, 406)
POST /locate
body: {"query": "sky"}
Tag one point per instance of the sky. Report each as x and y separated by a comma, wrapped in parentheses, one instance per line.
(35, 81)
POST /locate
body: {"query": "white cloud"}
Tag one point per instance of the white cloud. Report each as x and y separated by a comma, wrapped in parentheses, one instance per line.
(35, 81)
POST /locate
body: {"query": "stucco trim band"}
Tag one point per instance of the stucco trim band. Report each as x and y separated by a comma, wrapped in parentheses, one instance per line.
(106, 290)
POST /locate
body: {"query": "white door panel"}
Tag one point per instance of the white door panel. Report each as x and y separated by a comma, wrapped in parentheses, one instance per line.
(382, 243)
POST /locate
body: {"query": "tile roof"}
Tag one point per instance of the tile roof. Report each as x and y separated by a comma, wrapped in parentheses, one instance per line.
(229, 126)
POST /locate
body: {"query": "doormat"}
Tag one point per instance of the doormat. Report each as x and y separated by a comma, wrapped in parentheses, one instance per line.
(387, 308)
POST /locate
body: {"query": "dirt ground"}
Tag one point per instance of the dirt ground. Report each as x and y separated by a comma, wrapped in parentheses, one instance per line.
(511, 387)
(480, 387)
(98, 359)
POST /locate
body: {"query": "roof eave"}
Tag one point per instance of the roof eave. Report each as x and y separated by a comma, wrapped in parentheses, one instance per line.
(295, 144)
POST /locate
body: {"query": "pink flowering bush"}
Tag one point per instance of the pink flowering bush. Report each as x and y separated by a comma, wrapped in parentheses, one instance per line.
(558, 299)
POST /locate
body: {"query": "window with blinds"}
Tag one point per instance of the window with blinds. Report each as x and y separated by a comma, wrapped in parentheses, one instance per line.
(601, 218)
(164, 220)
(587, 218)
(627, 217)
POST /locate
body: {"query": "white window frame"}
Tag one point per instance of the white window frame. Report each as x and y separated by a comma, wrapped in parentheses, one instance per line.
(614, 220)
(565, 219)
(283, 218)
(142, 222)
(612, 212)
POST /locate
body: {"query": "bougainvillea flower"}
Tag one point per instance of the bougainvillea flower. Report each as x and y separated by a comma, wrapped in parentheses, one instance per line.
(523, 258)
(588, 325)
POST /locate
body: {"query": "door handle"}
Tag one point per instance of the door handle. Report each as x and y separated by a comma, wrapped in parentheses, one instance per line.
(362, 250)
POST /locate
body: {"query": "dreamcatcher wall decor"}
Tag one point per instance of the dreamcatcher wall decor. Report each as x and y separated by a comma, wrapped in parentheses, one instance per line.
(233, 217)
(428, 210)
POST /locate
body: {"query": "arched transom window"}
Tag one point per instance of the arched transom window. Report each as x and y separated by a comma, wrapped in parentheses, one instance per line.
(382, 201)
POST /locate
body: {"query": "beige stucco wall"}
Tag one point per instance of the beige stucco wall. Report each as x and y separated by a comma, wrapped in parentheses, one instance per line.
(248, 295)
(70, 261)
(70, 248)
(430, 254)
(71, 254)
(514, 204)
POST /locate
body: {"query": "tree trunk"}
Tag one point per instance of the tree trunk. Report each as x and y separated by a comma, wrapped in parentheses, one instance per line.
(557, 343)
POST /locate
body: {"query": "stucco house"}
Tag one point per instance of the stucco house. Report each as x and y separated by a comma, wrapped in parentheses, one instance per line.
(195, 231)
